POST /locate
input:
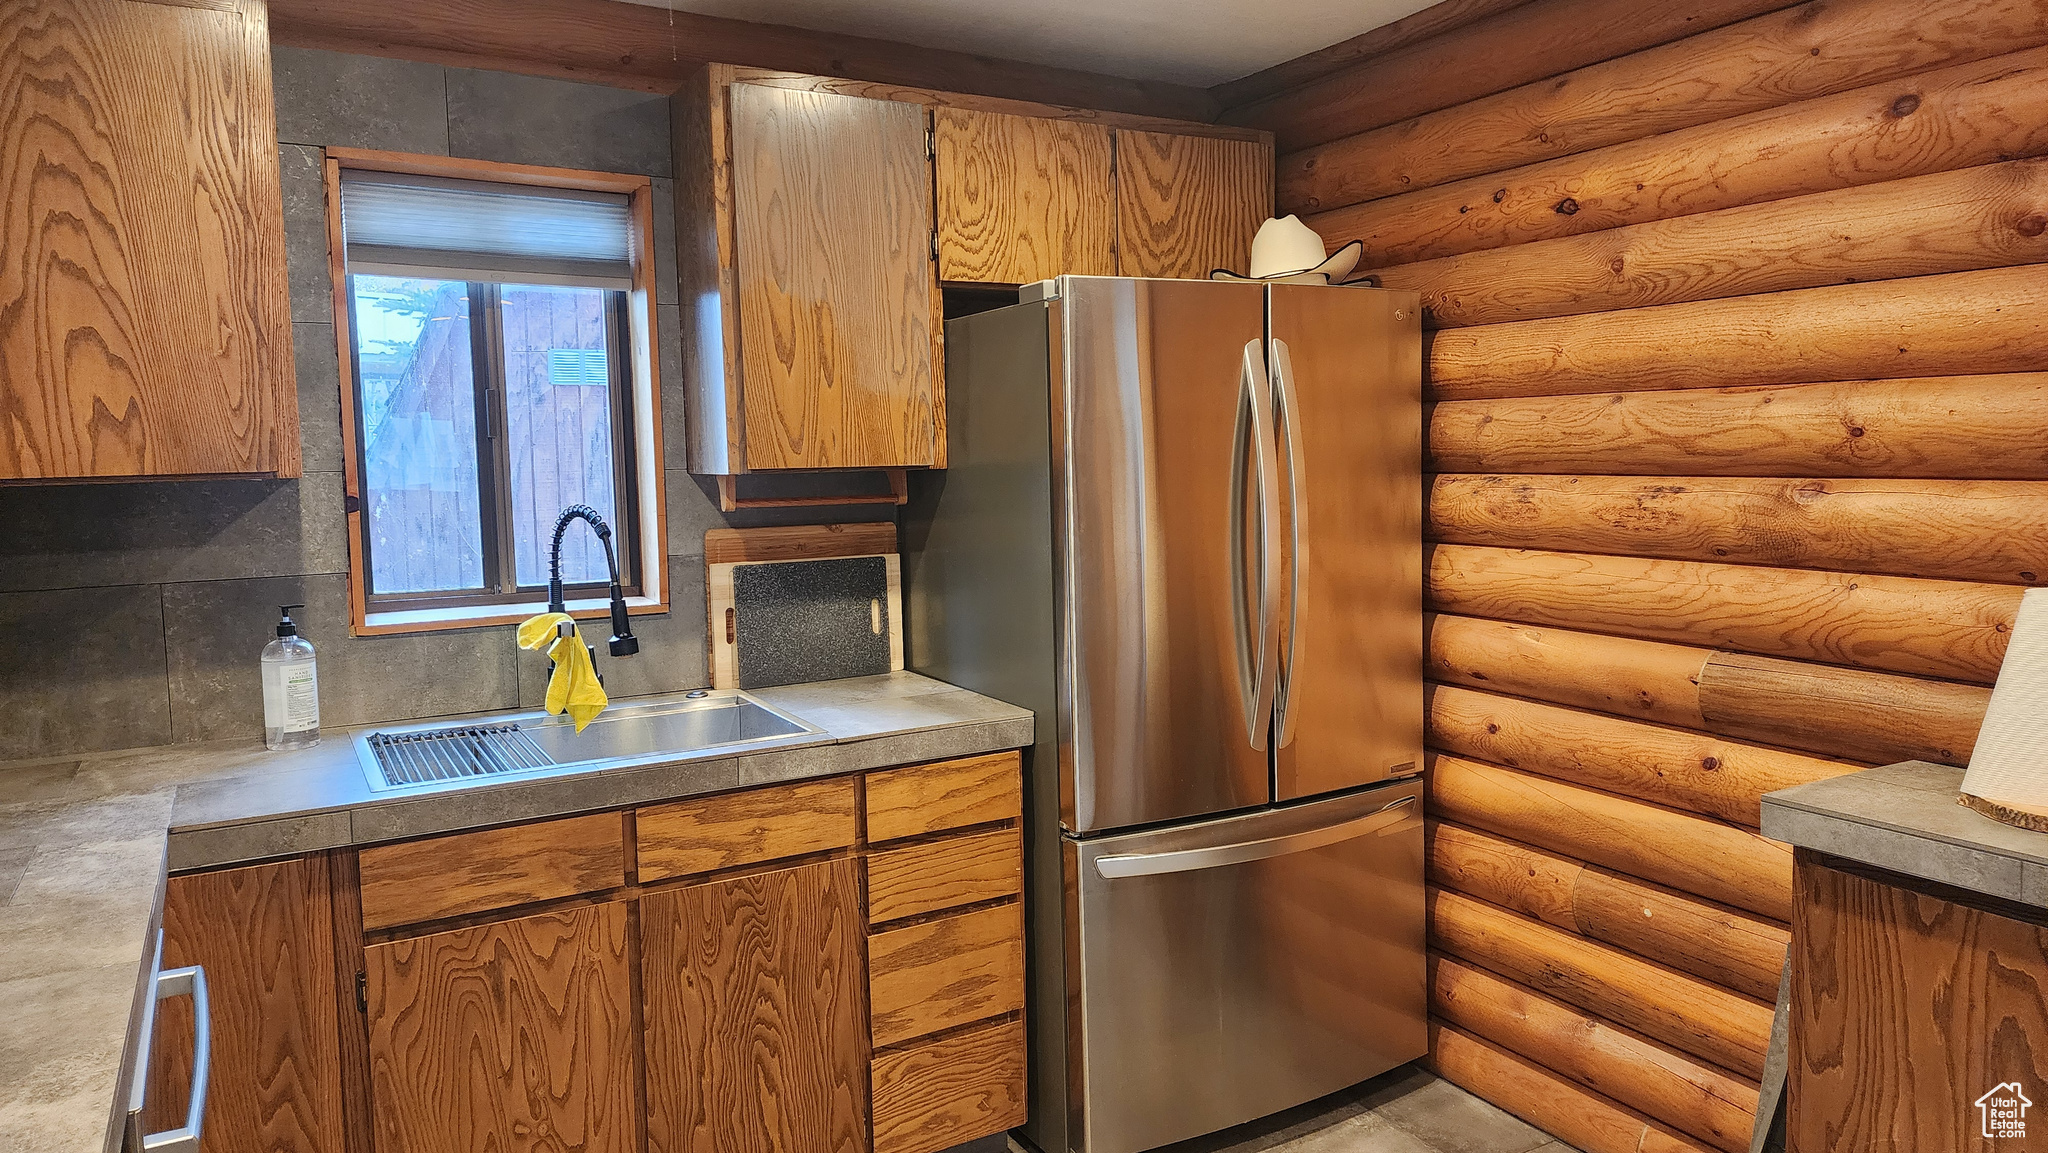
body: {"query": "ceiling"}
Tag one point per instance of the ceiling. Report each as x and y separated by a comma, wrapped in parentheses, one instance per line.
(1198, 42)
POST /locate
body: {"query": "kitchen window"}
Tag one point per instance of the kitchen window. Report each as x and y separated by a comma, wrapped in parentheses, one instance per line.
(494, 321)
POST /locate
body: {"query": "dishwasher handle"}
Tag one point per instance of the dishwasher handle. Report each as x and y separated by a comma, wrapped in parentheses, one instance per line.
(189, 981)
(1380, 820)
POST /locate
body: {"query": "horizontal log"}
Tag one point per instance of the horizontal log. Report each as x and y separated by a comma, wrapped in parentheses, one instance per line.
(1957, 117)
(1979, 530)
(1947, 629)
(1669, 766)
(1877, 718)
(1992, 216)
(1816, 49)
(1435, 20)
(1629, 678)
(1868, 716)
(1694, 1098)
(1525, 43)
(1717, 943)
(1578, 1116)
(1684, 1012)
(1965, 322)
(1514, 876)
(1692, 854)
(1971, 427)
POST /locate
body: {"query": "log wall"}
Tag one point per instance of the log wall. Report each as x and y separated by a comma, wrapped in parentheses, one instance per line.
(1738, 362)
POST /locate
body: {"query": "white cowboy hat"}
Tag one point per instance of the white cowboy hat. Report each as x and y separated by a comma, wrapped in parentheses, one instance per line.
(1286, 251)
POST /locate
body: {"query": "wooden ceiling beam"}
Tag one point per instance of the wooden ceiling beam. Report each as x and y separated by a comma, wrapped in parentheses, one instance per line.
(1434, 20)
(634, 46)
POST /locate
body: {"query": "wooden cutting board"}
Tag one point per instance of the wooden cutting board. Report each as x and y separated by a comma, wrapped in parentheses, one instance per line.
(802, 603)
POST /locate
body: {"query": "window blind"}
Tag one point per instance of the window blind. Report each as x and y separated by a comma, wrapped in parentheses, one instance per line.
(403, 225)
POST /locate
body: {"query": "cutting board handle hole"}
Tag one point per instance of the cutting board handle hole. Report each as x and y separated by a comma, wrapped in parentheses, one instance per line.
(875, 615)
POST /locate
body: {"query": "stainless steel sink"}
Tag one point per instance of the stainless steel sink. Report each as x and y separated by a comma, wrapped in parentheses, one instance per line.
(700, 725)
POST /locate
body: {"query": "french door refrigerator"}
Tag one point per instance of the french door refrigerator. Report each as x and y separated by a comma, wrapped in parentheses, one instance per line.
(1181, 521)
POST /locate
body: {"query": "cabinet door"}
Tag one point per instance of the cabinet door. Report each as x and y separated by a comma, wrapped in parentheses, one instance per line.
(1022, 198)
(505, 1037)
(832, 219)
(1187, 204)
(756, 1022)
(144, 325)
(264, 935)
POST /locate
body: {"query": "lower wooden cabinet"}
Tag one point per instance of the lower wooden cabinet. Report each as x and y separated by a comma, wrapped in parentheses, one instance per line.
(756, 1015)
(1915, 1009)
(939, 1094)
(741, 973)
(510, 1036)
(264, 936)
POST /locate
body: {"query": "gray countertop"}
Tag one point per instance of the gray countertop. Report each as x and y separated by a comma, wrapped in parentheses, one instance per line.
(1905, 818)
(85, 844)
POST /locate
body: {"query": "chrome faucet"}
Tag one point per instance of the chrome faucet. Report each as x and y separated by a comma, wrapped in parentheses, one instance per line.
(623, 642)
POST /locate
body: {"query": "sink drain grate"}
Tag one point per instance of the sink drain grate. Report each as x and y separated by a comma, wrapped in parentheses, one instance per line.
(454, 754)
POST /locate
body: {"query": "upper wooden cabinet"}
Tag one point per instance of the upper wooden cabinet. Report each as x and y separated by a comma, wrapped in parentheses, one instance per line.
(805, 255)
(816, 220)
(1022, 198)
(1189, 204)
(145, 328)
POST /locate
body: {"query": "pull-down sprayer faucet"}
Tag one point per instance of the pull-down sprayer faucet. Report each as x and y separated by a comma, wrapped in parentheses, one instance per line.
(623, 642)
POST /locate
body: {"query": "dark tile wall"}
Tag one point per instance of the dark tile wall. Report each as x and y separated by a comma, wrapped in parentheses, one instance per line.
(133, 614)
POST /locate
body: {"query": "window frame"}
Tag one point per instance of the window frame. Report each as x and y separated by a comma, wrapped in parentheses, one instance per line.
(636, 425)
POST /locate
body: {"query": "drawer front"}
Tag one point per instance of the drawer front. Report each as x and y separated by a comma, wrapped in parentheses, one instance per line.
(928, 878)
(492, 869)
(709, 833)
(936, 1096)
(949, 795)
(947, 972)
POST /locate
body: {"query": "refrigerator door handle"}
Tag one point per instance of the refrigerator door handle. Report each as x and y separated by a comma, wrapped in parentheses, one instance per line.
(1381, 821)
(1258, 656)
(1297, 552)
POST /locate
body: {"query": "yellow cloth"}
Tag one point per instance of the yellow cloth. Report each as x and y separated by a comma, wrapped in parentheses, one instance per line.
(574, 687)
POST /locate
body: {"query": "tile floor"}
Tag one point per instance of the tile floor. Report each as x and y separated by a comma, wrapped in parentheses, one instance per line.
(1409, 1110)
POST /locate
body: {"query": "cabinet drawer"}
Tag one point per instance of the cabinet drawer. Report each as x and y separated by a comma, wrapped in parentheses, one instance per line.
(492, 869)
(708, 833)
(948, 795)
(944, 874)
(938, 1095)
(947, 972)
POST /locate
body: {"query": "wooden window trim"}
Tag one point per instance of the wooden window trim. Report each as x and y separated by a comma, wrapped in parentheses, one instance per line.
(648, 500)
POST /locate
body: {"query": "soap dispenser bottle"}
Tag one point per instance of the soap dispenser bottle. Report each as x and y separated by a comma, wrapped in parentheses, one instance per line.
(291, 688)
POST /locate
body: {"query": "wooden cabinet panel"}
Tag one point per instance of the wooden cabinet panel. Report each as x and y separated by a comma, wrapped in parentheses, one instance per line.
(944, 874)
(1906, 1008)
(144, 324)
(755, 1039)
(947, 972)
(265, 938)
(936, 1096)
(1022, 198)
(832, 219)
(1187, 204)
(511, 1036)
(491, 869)
(920, 799)
(709, 833)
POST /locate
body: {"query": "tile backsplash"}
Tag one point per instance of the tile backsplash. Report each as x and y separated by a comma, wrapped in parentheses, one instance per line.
(132, 614)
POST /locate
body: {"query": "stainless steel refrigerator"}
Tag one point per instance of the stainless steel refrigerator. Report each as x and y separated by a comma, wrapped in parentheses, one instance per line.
(1181, 520)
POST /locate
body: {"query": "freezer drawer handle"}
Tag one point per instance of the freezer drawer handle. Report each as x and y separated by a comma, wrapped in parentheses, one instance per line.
(186, 982)
(1187, 860)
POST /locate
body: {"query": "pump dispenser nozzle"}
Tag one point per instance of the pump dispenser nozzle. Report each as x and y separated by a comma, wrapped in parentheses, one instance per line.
(285, 627)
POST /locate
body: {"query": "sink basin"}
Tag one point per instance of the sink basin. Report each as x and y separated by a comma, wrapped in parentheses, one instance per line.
(696, 726)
